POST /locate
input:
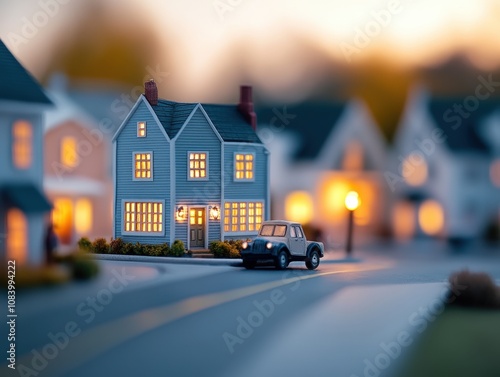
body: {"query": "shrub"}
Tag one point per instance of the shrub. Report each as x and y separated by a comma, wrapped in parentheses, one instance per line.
(154, 250)
(177, 249)
(474, 289)
(226, 249)
(129, 248)
(83, 268)
(165, 249)
(100, 246)
(117, 246)
(84, 244)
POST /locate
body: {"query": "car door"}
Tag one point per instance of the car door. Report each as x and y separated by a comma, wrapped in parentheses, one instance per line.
(297, 241)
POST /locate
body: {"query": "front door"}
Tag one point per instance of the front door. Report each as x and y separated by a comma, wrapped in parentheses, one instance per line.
(197, 227)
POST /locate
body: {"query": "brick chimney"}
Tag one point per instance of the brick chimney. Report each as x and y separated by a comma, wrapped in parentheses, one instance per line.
(151, 92)
(246, 106)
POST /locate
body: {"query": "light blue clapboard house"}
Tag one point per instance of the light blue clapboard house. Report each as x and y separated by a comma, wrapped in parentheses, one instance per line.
(189, 171)
(23, 205)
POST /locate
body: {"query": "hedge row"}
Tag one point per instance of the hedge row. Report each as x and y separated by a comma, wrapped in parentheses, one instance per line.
(226, 249)
(118, 246)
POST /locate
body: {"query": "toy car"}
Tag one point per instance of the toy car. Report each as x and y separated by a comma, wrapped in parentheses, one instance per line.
(282, 242)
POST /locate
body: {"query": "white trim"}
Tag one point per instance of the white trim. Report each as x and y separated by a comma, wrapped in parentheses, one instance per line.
(237, 234)
(134, 153)
(206, 166)
(268, 186)
(207, 223)
(132, 111)
(145, 128)
(114, 187)
(150, 234)
(211, 124)
(188, 119)
(222, 193)
(243, 180)
(173, 195)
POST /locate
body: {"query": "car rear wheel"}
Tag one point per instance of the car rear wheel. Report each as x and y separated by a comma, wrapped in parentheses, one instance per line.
(249, 264)
(282, 260)
(313, 261)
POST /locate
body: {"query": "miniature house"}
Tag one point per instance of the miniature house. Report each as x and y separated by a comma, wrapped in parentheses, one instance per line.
(77, 171)
(320, 152)
(23, 205)
(442, 170)
(189, 171)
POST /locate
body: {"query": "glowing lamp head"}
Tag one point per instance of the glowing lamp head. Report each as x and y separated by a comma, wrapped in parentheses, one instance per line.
(352, 200)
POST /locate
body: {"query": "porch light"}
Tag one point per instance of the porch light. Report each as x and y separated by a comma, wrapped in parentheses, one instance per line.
(214, 213)
(181, 213)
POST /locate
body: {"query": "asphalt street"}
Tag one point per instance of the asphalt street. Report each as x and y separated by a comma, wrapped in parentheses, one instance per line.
(185, 320)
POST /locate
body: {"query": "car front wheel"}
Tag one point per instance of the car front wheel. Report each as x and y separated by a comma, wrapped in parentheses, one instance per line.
(282, 260)
(313, 261)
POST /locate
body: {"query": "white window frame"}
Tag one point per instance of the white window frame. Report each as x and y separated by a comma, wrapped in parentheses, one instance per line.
(145, 128)
(239, 232)
(206, 166)
(234, 165)
(151, 234)
(133, 165)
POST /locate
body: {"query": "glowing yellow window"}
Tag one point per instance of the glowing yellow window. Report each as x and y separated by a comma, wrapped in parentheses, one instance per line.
(69, 155)
(244, 166)
(83, 216)
(143, 165)
(141, 129)
(22, 145)
(198, 166)
(143, 217)
(414, 170)
(17, 236)
(242, 216)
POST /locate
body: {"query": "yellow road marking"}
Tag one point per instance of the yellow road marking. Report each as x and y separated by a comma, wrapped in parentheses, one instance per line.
(84, 347)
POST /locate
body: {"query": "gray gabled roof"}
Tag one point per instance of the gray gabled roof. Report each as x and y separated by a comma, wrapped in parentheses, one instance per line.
(17, 84)
(228, 121)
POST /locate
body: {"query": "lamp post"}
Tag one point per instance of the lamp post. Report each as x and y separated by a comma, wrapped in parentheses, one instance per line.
(351, 203)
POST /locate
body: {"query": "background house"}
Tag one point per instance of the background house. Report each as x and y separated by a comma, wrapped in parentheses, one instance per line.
(443, 173)
(77, 169)
(321, 151)
(188, 171)
(23, 205)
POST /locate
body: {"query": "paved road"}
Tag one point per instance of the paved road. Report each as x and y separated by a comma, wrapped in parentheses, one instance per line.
(178, 320)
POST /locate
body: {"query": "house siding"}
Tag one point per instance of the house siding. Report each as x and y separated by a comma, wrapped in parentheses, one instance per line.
(127, 142)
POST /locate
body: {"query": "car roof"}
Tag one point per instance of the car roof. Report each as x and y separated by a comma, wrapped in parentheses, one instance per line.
(280, 222)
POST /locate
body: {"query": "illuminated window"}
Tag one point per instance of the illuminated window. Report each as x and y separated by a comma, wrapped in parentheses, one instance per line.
(414, 169)
(22, 145)
(69, 155)
(143, 165)
(83, 216)
(62, 218)
(244, 166)
(143, 217)
(141, 129)
(495, 172)
(198, 165)
(299, 207)
(431, 217)
(17, 235)
(243, 216)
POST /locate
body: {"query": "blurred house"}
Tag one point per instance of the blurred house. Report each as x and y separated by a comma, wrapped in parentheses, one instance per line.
(443, 172)
(77, 166)
(23, 204)
(319, 152)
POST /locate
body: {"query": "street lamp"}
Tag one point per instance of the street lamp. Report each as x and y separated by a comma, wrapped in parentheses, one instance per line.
(351, 203)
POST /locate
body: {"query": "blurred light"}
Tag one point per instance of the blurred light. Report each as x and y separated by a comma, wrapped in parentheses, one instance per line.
(332, 192)
(414, 169)
(495, 172)
(69, 156)
(353, 156)
(299, 207)
(352, 200)
(62, 218)
(83, 216)
(17, 235)
(403, 220)
(431, 217)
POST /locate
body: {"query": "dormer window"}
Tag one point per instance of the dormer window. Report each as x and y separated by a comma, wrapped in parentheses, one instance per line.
(22, 145)
(141, 129)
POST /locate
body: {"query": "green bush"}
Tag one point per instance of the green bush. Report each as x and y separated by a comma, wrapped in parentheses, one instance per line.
(226, 249)
(83, 268)
(177, 249)
(100, 246)
(84, 244)
(473, 289)
(117, 246)
(129, 248)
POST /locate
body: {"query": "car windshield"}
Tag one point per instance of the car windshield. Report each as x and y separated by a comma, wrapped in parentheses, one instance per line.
(273, 230)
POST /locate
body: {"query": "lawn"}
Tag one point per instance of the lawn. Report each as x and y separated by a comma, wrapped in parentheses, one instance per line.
(462, 342)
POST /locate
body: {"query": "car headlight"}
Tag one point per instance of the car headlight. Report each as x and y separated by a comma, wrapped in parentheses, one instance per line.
(269, 245)
(244, 245)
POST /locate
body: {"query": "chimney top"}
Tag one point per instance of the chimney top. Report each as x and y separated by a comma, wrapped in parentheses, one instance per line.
(246, 105)
(151, 92)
